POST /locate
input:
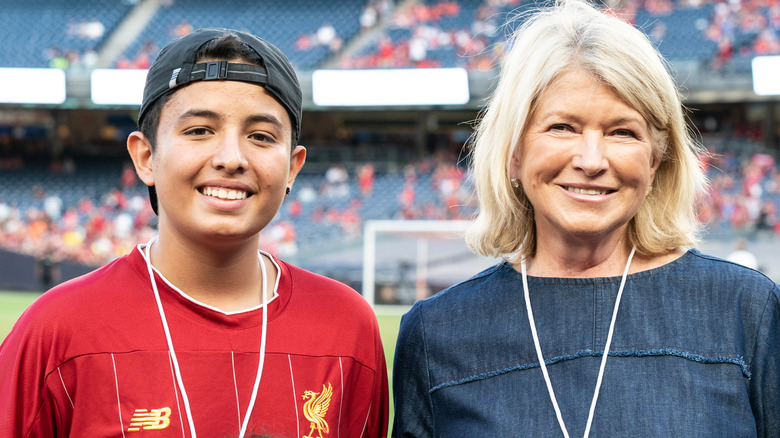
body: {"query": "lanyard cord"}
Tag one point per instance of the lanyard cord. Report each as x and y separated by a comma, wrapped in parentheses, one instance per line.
(603, 358)
(172, 352)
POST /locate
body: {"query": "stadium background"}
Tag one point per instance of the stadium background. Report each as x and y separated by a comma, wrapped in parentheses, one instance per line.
(69, 200)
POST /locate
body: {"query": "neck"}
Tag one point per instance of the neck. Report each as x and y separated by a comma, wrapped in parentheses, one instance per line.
(558, 258)
(228, 278)
(605, 258)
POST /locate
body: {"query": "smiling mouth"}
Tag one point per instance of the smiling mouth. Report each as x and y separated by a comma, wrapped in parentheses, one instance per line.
(223, 193)
(588, 191)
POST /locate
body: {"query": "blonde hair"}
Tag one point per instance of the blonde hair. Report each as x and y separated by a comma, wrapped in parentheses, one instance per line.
(575, 35)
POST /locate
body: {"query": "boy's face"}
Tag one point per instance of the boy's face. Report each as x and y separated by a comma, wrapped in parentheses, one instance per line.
(222, 161)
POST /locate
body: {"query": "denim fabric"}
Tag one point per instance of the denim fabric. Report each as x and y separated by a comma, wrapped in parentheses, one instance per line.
(695, 353)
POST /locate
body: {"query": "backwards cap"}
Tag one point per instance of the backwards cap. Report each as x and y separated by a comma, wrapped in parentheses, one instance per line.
(175, 66)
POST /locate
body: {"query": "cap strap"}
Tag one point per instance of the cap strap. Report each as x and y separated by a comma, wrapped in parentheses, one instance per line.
(226, 71)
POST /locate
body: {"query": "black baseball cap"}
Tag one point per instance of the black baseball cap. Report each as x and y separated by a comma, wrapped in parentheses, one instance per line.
(175, 66)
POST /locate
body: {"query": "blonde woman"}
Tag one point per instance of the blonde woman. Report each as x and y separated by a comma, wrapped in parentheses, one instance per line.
(602, 318)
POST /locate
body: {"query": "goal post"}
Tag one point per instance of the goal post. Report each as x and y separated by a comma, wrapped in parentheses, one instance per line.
(417, 257)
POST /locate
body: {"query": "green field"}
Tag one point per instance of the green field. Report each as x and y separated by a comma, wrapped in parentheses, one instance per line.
(12, 304)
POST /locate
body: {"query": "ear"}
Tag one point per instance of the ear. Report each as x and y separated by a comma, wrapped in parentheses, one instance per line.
(654, 168)
(514, 166)
(296, 163)
(141, 153)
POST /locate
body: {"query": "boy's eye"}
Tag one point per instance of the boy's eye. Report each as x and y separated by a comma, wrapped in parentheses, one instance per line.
(259, 136)
(197, 131)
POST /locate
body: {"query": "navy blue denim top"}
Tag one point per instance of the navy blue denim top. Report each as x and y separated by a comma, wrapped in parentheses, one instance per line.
(695, 353)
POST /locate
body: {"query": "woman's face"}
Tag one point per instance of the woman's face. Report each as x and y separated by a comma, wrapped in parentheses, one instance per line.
(585, 161)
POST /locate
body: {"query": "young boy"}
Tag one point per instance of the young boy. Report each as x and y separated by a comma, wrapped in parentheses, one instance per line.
(196, 332)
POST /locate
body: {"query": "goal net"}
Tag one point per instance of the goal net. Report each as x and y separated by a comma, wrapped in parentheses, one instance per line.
(407, 260)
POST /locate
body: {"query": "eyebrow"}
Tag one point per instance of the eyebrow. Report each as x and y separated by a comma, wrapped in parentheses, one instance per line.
(575, 118)
(207, 114)
(266, 118)
(625, 120)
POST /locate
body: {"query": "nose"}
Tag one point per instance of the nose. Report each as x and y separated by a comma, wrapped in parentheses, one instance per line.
(229, 155)
(589, 156)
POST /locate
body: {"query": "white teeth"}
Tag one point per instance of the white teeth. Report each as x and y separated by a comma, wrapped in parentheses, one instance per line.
(224, 193)
(586, 191)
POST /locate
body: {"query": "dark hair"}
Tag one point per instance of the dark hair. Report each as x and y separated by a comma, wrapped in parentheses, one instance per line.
(227, 47)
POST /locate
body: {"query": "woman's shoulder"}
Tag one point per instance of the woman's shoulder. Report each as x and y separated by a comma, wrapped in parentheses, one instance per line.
(691, 270)
(715, 268)
(467, 302)
(471, 292)
(713, 276)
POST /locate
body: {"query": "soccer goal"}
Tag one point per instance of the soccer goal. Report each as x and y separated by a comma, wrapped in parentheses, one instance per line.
(407, 260)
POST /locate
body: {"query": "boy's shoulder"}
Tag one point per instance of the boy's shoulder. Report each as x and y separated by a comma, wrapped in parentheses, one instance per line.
(106, 283)
(93, 298)
(319, 293)
(68, 319)
(308, 282)
(329, 317)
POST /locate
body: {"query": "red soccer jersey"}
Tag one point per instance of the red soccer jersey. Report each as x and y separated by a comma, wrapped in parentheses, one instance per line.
(89, 358)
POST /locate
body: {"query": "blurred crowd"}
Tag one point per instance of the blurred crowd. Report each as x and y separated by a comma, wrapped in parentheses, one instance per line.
(87, 232)
(341, 200)
(744, 196)
(746, 28)
(444, 33)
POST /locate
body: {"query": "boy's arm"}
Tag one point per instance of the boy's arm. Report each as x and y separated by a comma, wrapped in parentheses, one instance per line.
(25, 407)
(378, 417)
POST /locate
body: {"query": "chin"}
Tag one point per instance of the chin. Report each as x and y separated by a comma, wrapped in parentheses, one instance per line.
(230, 231)
(602, 231)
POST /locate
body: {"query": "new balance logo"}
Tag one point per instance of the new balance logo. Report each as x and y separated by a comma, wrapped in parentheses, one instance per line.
(154, 420)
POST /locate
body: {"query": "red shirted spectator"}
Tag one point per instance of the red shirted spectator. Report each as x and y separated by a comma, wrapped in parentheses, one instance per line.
(128, 178)
(365, 176)
(407, 196)
(295, 208)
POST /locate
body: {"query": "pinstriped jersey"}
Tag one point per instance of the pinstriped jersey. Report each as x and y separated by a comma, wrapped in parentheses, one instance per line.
(89, 358)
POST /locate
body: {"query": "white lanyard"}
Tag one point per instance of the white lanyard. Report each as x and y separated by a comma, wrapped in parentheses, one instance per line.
(177, 371)
(603, 358)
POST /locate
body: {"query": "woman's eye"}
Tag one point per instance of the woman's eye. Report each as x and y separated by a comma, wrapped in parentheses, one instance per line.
(625, 133)
(561, 127)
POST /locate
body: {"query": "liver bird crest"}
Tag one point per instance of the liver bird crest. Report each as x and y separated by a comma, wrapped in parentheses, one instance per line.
(315, 409)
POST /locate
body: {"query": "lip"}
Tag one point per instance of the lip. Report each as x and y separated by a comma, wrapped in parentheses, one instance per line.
(224, 193)
(587, 191)
(233, 194)
(226, 184)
